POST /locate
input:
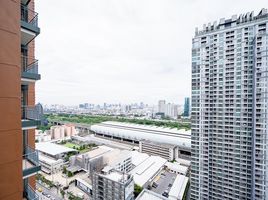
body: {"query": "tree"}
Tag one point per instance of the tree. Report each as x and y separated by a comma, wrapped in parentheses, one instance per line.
(64, 170)
(62, 193)
(69, 174)
(137, 190)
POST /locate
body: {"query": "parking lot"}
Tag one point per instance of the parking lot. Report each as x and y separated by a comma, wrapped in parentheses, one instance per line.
(163, 182)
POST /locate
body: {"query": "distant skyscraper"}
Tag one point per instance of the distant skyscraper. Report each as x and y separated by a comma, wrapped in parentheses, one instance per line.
(186, 110)
(171, 110)
(229, 109)
(161, 106)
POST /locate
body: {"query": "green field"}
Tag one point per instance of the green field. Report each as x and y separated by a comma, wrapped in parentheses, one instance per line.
(80, 148)
(71, 145)
(90, 120)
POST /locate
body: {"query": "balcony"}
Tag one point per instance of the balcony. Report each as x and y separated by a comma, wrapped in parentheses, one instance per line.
(30, 194)
(29, 69)
(30, 117)
(30, 162)
(29, 25)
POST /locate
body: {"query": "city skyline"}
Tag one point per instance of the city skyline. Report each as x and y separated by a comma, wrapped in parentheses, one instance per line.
(126, 51)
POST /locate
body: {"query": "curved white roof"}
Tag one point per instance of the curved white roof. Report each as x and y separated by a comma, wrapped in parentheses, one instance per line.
(181, 138)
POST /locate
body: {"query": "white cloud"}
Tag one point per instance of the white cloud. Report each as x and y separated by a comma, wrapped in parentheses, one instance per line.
(122, 50)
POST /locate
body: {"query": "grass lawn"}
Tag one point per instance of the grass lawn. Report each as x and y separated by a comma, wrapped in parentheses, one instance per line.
(71, 145)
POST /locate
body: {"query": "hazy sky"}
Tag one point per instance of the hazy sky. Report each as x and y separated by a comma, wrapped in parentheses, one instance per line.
(122, 50)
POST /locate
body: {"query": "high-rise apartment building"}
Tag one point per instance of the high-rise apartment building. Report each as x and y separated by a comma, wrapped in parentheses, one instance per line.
(161, 106)
(229, 109)
(111, 184)
(186, 108)
(19, 117)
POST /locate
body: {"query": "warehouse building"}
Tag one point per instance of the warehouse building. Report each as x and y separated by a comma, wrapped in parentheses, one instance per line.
(169, 143)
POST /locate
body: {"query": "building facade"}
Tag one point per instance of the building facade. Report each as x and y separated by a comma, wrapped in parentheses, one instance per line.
(111, 184)
(19, 117)
(186, 108)
(161, 106)
(229, 109)
(166, 151)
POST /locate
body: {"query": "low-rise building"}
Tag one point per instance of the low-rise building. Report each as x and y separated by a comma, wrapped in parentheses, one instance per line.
(111, 184)
(50, 165)
(147, 170)
(178, 188)
(177, 168)
(164, 150)
(84, 186)
(150, 195)
(41, 136)
(62, 132)
(102, 156)
(52, 156)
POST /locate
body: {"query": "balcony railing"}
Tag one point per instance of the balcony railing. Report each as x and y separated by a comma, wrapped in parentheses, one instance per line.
(30, 162)
(30, 113)
(29, 16)
(30, 193)
(31, 155)
(29, 65)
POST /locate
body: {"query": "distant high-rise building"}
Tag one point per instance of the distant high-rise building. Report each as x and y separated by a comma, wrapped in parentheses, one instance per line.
(112, 184)
(186, 110)
(86, 105)
(229, 109)
(171, 110)
(161, 106)
(19, 116)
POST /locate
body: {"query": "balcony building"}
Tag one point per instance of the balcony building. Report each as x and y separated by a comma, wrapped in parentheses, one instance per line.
(19, 117)
(229, 109)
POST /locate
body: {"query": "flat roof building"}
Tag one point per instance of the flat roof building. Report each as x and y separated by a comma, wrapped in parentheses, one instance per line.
(150, 195)
(102, 156)
(136, 133)
(111, 184)
(52, 149)
(178, 189)
(147, 170)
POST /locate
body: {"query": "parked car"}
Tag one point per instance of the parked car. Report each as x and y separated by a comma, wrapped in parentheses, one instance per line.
(165, 194)
(154, 185)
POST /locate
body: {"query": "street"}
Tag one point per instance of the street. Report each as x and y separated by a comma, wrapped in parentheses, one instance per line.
(47, 191)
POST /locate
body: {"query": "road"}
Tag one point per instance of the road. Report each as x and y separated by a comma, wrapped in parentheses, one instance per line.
(48, 191)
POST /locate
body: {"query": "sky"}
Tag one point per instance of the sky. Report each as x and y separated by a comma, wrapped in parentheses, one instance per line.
(122, 51)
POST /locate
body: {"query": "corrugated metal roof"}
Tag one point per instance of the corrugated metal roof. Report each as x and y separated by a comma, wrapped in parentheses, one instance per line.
(181, 138)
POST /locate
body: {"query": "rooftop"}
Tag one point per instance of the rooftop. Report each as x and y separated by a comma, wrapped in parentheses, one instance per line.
(138, 158)
(177, 167)
(138, 132)
(52, 149)
(147, 169)
(178, 188)
(99, 151)
(232, 22)
(150, 195)
(115, 175)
